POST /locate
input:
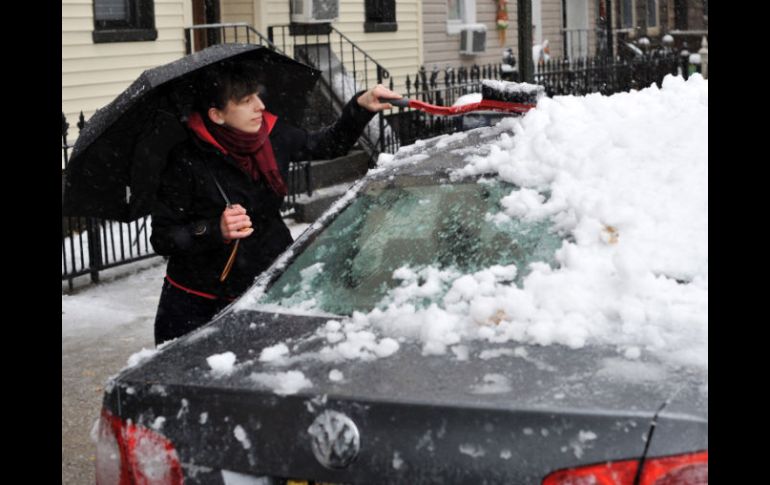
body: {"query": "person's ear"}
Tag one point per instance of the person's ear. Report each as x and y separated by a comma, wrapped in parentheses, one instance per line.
(216, 116)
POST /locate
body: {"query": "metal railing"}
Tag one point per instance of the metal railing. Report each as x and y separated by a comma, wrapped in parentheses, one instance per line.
(200, 36)
(345, 67)
(91, 245)
(300, 180)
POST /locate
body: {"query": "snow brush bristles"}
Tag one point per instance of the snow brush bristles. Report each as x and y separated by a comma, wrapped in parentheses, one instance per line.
(504, 96)
(511, 92)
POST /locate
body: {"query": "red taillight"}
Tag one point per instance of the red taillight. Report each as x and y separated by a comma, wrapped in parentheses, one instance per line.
(107, 452)
(687, 469)
(127, 454)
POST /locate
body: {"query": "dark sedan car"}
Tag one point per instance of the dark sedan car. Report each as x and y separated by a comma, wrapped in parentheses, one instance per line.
(268, 393)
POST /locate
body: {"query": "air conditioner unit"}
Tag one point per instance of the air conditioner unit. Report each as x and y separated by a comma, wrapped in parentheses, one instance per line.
(314, 11)
(473, 39)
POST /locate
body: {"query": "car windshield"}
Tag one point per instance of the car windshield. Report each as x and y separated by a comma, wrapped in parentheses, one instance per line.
(415, 222)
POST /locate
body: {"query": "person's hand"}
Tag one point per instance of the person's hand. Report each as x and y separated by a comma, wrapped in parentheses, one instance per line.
(370, 101)
(234, 223)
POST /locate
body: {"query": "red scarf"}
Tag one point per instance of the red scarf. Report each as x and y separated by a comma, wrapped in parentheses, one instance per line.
(252, 151)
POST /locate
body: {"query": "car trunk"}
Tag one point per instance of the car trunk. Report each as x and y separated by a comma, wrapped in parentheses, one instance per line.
(428, 419)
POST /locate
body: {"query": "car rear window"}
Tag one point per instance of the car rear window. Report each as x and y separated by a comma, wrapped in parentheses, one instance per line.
(349, 266)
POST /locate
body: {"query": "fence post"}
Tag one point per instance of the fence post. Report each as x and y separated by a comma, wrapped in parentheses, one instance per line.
(417, 87)
(389, 142)
(433, 75)
(684, 61)
(94, 248)
(567, 68)
(704, 57)
(405, 122)
(436, 87)
(65, 155)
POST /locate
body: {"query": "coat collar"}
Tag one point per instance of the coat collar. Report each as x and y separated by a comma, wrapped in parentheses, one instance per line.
(195, 123)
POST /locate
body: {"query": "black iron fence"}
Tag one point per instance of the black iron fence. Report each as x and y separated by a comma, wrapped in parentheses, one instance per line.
(91, 245)
(601, 75)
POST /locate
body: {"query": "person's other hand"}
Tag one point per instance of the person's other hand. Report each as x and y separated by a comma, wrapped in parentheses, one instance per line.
(370, 101)
(234, 223)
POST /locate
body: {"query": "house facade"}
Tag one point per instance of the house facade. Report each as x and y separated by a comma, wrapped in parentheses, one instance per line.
(106, 44)
(444, 20)
(572, 28)
(102, 53)
(684, 20)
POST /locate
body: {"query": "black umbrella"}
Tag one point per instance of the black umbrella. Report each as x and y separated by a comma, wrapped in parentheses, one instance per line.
(119, 155)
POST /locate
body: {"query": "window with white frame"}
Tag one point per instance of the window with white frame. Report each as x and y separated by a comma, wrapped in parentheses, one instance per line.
(460, 14)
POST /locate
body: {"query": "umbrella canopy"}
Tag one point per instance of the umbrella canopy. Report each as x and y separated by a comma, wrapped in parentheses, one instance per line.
(120, 154)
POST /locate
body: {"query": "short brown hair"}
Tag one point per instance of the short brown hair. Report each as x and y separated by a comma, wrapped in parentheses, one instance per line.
(227, 81)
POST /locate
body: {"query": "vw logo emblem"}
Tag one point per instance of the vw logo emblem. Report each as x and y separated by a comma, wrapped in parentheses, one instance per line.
(335, 439)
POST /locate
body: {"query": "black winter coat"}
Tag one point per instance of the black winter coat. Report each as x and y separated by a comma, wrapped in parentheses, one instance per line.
(185, 220)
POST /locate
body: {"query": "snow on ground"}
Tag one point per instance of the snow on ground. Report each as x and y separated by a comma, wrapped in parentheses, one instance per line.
(626, 176)
(99, 309)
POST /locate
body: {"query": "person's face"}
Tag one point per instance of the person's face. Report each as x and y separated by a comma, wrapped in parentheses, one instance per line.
(243, 114)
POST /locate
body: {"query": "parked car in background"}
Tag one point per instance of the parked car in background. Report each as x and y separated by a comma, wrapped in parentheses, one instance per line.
(308, 376)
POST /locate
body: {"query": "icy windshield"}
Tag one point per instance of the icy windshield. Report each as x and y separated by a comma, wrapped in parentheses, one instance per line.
(416, 223)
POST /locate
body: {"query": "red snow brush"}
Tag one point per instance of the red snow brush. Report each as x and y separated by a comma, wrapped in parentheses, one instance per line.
(495, 95)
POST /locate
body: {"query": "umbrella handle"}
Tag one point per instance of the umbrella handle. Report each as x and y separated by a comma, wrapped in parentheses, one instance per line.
(230, 262)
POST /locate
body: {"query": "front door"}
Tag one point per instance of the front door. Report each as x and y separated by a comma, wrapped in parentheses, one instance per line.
(205, 12)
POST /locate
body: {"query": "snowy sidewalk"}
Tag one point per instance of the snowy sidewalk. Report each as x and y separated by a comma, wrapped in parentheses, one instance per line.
(101, 327)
